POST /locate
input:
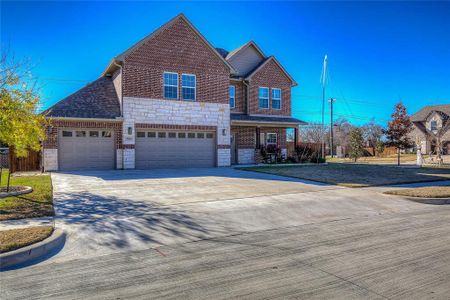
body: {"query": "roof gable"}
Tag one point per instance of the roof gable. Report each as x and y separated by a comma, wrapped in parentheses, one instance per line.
(426, 111)
(265, 63)
(181, 17)
(245, 58)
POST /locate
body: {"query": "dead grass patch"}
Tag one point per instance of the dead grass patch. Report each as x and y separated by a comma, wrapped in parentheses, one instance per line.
(423, 192)
(357, 175)
(17, 238)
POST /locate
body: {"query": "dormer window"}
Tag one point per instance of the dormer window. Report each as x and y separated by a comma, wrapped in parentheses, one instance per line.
(433, 125)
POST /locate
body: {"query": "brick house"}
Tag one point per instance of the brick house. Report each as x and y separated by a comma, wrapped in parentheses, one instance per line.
(173, 100)
(430, 124)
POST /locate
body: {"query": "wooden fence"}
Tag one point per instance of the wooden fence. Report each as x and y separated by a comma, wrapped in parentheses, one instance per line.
(291, 147)
(30, 163)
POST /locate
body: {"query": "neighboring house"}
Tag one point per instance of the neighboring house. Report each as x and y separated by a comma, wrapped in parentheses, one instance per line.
(173, 100)
(431, 128)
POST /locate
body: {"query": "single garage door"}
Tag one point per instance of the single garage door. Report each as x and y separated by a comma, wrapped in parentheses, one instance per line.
(175, 149)
(85, 149)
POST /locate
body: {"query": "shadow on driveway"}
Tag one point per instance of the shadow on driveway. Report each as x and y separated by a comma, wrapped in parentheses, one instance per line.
(119, 223)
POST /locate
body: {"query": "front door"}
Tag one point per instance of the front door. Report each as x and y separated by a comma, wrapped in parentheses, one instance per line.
(233, 149)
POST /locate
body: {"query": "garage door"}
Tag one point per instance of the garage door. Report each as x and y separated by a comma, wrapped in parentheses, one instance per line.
(174, 149)
(85, 149)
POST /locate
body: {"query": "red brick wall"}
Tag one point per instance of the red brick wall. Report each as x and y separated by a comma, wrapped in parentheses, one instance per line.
(175, 49)
(52, 131)
(245, 137)
(270, 76)
(239, 101)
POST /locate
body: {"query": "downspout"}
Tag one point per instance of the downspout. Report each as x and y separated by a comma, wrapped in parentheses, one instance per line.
(247, 96)
(121, 108)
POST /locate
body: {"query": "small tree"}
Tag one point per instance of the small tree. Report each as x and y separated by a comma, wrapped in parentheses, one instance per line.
(20, 125)
(398, 128)
(356, 144)
(379, 147)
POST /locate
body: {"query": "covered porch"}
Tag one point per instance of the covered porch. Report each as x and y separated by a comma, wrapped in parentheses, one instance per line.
(249, 134)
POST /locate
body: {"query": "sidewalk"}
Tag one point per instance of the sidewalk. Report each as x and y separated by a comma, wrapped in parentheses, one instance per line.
(22, 223)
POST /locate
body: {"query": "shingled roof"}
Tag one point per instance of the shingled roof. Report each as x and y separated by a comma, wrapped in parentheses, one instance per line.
(96, 100)
(422, 114)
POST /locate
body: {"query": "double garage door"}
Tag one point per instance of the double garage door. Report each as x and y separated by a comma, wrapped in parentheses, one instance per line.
(86, 149)
(174, 149)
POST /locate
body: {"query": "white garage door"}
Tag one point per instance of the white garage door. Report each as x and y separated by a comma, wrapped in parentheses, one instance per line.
(174, 149)
(84, 149)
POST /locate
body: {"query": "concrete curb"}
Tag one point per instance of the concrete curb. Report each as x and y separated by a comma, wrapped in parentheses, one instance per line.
(34, 251)
(27, 190)
(435, 201)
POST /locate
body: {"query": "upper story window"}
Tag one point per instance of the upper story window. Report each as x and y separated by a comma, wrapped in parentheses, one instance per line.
(271, 139)
(170, 85)
(263, 97)
(433, 125)
(188, 86)
(232, 96)
(276, 98)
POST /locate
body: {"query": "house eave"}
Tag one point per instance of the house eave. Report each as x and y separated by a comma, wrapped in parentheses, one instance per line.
(118, 119)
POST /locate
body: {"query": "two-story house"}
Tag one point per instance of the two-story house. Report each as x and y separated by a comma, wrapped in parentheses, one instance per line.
(173, 100)
(432, 128)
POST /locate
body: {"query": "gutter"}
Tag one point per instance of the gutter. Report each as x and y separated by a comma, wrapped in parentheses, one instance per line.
(118, 119)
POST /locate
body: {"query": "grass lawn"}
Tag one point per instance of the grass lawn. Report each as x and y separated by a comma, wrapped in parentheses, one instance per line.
(17, 238)
(390, 159)
(36, 204)
(424, 192)
(357, 175)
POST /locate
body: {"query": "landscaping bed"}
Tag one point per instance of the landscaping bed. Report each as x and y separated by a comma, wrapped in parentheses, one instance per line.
(38, 203)
(17, 238)
(357, 175)
(423, 192)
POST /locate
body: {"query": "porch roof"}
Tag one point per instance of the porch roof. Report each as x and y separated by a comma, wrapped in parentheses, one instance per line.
(249, 120)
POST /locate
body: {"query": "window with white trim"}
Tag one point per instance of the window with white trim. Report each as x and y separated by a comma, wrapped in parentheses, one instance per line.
(188, 85)
(263, 96)
(170, 85)
(232, 96)
(271, 138)
(276, 98)
(433, 125)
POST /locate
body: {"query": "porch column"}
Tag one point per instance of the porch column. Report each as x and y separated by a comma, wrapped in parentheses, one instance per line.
(258, 140)
(295, 136)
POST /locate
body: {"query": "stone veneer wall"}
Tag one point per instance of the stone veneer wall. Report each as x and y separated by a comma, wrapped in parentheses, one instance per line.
(246, 156)
(176, 112)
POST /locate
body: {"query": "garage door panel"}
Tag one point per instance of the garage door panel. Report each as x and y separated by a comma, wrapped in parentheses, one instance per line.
(174, 152)
(84, 152)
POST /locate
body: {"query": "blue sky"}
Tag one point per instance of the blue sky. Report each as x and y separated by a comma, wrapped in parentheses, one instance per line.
(379, 52)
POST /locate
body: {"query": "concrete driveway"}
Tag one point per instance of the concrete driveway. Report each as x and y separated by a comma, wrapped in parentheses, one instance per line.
(224, 233)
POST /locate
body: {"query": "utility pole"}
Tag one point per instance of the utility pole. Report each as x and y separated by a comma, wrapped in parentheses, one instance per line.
(331, 126)
(324, 81)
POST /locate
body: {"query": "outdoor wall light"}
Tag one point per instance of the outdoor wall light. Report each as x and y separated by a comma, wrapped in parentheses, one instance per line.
(224, 132)
(130, 130)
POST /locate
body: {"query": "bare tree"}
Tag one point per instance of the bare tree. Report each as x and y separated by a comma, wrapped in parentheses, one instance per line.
(313, 133)
(373, 134)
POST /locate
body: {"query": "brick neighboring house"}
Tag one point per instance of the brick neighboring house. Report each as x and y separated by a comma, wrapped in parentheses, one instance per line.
(431, 123)
(173, 100)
